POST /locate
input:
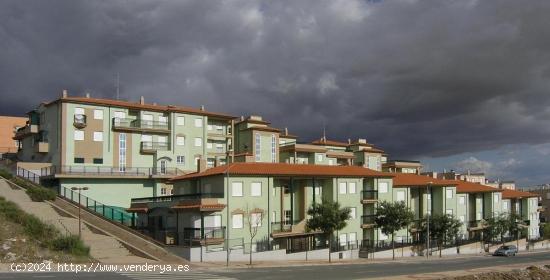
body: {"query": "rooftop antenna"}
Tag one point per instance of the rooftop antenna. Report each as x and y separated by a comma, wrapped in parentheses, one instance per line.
(117, 86)
(324, 131)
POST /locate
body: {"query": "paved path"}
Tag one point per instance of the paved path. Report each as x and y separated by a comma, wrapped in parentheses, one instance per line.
(103, 248)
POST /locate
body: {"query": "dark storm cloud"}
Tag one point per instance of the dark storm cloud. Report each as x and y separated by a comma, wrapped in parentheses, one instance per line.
(415, 77)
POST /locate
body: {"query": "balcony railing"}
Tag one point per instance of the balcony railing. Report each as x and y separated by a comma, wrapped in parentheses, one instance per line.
(25, 131)
(148, 146)
(110, 171)
(368, 219)
(138, 124)
(475, 224)
(175, 198)
(370, 194)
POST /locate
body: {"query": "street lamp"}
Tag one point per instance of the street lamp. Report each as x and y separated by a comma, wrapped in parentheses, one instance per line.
(79, 206)
(429, 212)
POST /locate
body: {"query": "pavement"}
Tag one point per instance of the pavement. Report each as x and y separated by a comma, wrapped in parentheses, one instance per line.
(103, 248)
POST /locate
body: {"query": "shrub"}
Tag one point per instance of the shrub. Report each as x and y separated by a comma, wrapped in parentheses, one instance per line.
(6, 174)
(70, 244)
(40, 193)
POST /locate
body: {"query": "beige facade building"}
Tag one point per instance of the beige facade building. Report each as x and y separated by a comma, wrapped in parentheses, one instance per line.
(8, 127)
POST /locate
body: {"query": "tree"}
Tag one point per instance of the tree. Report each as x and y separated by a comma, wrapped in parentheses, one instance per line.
(254, 221)
(442, 228)
(546, 231)
(327, 217)
(392, 217)
(497, 226)
(515, 226)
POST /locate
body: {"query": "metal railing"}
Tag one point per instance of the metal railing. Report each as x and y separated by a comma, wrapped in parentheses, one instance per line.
(110, 170)
(369, 194)
(154, 146)
(29, 175)
(368, 219)
(179, 197)
(475, 224)
(111, 213)
(140, 124)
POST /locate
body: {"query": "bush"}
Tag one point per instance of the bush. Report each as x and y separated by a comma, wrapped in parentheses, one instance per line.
(6, 174)
(22, 182)
(546, 231)
(40, 193)
(70, 244)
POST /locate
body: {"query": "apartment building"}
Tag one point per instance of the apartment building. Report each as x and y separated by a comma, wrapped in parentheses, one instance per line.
(120, 149)
(543, 191)
(403, 166)
(8, 127)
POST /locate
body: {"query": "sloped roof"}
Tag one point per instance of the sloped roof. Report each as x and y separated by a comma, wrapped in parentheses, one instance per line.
(469, 187)
(324, 142)
(506, 194)
(285, 169)
(414, 180)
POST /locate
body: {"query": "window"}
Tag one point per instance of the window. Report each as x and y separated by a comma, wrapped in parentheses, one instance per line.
(98, 136)
(449, 212)
(352, 187)
(342, 188)
(400, 196)
(319, 158)
(120, 115)
(462, 200)
(462, 218)
(147, 120)
(163, 120)
(504, 205)
(198, 122)
(273, 148)
(122, 152)
(496, 198)
(237, 220)
(343, 239)
(210, 162)
(209, 145)
(198, 141)
(449, 193)
(78, 160)
(478, 216)
(180, 140)
(330, 161)
(256, 219)
(79, 111)
(219, 127)
(98, 161)
(237, 189)
(352, 237)
(273, 216)
(162, 139)
(197, 158)
(318, 190)
(79, 135)
(219, 147)
(162, 191)
(180, 120)
(258, 145)
(286, 189)
(288, 217)
(180, 160)
(209, 127)
(353, 213)
(383, 187)
(98, 114)
(256, 189)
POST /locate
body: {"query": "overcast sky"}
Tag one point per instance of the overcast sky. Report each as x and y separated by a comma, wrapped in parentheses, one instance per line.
(457, 84)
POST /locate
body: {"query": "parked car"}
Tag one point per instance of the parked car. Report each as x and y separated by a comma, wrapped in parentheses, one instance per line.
(507, 250)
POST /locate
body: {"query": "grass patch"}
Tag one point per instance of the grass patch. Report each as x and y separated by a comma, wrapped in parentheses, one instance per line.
(46, 235)
(6, 174)
(40, 194)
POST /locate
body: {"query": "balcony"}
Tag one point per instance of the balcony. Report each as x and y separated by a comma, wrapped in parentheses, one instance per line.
(368, 221)
(204, 202)
(79, 121)
(109, 171)
(476, 225)
(138, 125)
(416, 226)
(152, 147)
(203, 236)
(369, 196)
(42, 147)
(26, 131)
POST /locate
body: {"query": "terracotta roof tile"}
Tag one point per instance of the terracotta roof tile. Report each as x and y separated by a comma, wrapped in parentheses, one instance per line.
(414, 180)
(324, 142)
(285, 169)
(506, 194)
(469, 187)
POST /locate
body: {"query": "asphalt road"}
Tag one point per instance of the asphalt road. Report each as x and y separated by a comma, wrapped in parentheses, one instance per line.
(317, 272)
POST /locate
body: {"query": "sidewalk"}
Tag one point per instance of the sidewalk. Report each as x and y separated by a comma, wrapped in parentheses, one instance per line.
(103, 248)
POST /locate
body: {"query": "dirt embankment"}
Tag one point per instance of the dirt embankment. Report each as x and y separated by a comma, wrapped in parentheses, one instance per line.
(532, 272)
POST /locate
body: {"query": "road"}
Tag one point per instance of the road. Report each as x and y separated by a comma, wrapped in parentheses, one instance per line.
(317, 272)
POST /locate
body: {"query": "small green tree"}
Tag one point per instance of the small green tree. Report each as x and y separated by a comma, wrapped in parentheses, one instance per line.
(327, 217)
(392, 217)
(496, 227)
(546, 231)
(443, 228)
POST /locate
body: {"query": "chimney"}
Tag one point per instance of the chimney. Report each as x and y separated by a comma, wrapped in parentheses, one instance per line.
(65, 94)
(155, 103)
(242, 118)
(202, 107)
(142, 100)
(286, 130)
(87, 95)
(349, 141)
(201, 165)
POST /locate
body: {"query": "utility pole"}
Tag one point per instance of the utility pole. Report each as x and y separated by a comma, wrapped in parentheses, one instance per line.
(429, 212)
(79, 206)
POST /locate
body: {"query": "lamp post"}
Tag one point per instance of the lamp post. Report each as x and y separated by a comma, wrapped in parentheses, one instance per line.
(429, 212)
(79, 206)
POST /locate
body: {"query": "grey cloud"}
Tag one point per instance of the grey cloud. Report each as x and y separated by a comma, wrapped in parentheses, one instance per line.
(429, 78)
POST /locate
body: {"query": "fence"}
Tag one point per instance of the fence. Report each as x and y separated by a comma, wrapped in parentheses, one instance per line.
(29, 175)
(109, 170)
(111, 213)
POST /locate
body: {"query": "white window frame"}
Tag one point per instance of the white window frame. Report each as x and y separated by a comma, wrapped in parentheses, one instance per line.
(330, 161)
(237, 221)
(79, 111)
(237, 189)
(209, 127)
(505, 205)
(256, 219)
(449, 212)
(343, 239)
(273, 148)
(79, 135)
(98, 136)
(353, 213)
(342, 187)
(98, 114)
(400, 195)
(258, 146)
(319, 157)
(352, 187)
(383, 187)
(180, 160)
(256, 189)
(496, 198)
(180, 140)
(198, 142)
(180, 120)
(198, 122)
(449, 193)
(461, 200)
